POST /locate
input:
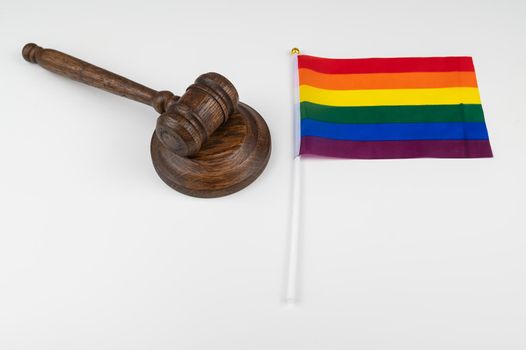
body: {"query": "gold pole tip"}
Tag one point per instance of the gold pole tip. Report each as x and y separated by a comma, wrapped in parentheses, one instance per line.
(295, 51)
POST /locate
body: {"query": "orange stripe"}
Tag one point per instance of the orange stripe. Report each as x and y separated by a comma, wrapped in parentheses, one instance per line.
(413, 80)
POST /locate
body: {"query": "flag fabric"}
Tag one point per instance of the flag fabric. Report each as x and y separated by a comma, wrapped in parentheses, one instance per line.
(385, 108)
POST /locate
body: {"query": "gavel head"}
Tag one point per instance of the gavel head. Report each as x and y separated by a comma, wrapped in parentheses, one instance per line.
(191, 119)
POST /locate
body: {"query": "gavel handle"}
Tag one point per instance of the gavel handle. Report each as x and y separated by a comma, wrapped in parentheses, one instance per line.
(84, 72)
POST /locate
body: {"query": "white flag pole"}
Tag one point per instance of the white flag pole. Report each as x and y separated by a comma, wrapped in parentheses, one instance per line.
(291, 293)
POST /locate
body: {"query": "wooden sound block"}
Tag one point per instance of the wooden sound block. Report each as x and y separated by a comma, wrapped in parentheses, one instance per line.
(232, 158)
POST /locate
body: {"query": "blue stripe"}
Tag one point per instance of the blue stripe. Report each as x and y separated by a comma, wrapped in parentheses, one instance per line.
(395, 131)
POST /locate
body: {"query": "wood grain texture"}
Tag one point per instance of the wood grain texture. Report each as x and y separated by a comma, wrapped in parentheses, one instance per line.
(206, 143)
(84, 72)
(189, 122)
(234, 156)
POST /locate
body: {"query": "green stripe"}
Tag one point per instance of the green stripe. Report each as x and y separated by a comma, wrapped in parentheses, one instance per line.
(392, 114)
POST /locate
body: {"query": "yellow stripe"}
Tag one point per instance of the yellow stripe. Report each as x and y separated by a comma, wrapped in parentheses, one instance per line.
(393, 97)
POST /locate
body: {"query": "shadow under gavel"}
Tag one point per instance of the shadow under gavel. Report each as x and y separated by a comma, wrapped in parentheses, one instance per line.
(206, 143)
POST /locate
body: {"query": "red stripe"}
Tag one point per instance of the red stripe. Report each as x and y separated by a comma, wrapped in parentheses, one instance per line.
(320, 146)
(386, 65)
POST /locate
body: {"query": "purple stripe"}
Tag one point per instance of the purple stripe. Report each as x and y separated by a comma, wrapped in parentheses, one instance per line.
(395, 149)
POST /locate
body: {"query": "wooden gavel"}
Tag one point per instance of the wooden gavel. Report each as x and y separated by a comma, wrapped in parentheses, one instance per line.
(206, 143)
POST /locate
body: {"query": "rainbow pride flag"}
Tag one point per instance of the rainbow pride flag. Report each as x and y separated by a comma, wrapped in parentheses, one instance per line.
(381, 108)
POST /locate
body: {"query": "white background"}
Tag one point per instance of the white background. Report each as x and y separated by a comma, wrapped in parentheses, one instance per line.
(96, 252)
